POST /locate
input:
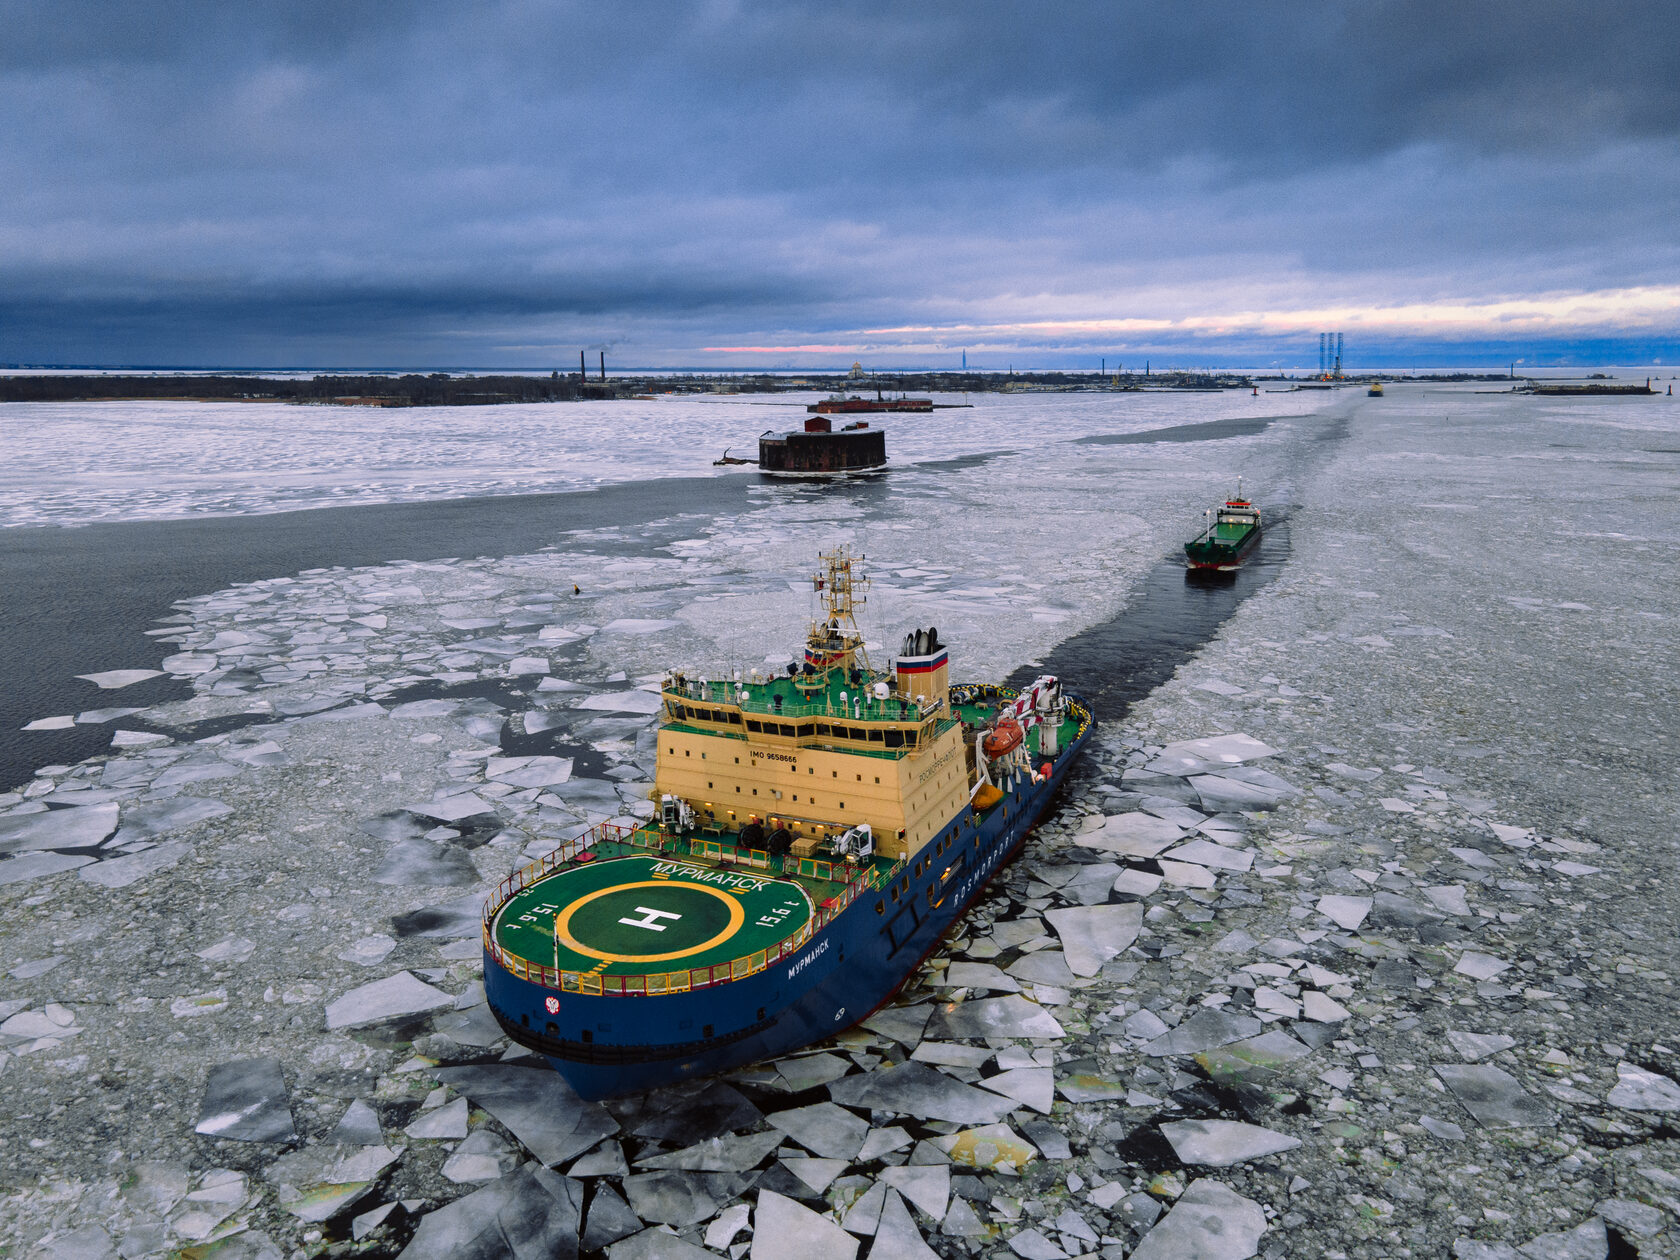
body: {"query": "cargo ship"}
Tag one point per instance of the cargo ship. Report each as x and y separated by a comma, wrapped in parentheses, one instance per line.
(816, 829)
(820, 450)
(848, 404)
(1223, 545)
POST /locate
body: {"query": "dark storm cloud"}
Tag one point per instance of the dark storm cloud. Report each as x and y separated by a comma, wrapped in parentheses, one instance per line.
(326, 179)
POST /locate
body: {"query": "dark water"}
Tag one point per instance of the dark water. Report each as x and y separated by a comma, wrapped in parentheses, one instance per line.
(78, 601)
(1205, 431)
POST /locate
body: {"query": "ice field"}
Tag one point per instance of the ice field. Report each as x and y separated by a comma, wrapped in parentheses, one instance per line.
(1357, 935)
(71, 463)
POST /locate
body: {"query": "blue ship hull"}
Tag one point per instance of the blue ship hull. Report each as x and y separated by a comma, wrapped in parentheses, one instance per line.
(609, 1045)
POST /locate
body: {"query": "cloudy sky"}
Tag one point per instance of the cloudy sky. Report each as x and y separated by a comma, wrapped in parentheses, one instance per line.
(414, 184)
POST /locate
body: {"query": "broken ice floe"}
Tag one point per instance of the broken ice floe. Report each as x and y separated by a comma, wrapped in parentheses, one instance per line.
(1640, 1089)
(1210, 1221)
(112, 679)
(247, 1101)
(1221, 1143)
(391, 998)
(536, 1106)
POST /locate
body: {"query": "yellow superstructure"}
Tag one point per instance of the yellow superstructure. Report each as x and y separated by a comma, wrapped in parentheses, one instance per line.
(829, 745)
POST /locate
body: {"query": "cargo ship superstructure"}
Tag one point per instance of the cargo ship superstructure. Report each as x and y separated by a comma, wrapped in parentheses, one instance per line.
(817, 829)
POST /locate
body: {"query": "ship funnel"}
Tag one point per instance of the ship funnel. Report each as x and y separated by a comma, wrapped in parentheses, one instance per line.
(925, 667)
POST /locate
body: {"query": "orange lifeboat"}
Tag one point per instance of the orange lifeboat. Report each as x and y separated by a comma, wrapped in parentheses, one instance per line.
(1005, 737)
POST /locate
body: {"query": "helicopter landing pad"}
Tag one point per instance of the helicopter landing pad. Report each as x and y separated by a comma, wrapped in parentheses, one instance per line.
(639, 914)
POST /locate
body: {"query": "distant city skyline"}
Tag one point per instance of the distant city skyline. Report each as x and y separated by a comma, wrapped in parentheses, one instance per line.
(747, 184)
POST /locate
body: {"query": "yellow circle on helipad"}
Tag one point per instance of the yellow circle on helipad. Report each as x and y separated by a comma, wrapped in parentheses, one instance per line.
(562, 922)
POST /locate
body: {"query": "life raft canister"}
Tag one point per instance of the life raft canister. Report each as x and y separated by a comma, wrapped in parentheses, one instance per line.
(1005, 737)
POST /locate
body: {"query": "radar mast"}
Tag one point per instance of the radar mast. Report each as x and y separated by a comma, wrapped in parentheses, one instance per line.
(835, 640)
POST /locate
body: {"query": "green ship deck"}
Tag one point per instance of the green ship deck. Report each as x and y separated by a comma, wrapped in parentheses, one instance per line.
(1235, 528)
(632, 914)
(1227, 533)
(644, 912)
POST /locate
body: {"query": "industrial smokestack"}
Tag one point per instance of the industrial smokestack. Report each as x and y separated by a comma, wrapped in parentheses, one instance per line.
(603, 365)
(583, 372)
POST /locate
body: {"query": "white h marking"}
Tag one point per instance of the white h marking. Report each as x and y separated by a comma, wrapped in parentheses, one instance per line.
(650, 919)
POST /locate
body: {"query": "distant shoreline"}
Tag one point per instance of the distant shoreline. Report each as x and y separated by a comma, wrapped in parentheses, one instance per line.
(439, 389)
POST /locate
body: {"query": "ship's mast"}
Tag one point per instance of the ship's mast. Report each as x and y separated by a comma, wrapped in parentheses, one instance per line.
(844, 589)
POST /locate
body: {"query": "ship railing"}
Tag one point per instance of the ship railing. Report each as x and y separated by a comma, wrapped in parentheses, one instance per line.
(859, 707)
(659, 984)
(564, 852)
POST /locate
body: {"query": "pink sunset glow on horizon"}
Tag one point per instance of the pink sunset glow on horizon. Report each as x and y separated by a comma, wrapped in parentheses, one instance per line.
(780, 349)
